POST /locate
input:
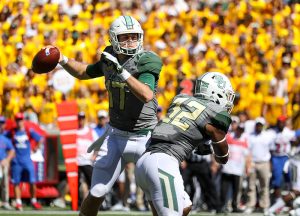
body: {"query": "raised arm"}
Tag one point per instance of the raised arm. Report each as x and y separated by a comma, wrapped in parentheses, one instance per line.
(143, 86)
(75, 68)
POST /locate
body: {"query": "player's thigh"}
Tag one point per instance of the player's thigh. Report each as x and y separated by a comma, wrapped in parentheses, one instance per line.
(135, 146)
(140, 173)
(163, 182)
(107, 168)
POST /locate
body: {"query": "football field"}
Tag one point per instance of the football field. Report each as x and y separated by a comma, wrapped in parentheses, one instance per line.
(105, 213)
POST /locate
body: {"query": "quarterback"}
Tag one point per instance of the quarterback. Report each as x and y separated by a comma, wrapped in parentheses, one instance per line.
(131, 76)
(191, 122)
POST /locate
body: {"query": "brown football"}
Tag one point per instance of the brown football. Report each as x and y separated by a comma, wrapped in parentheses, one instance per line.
(45, 60)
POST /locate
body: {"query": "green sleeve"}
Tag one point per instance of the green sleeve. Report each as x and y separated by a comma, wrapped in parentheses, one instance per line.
(150, 63)
(222, 120)
(148, 79)
(93, 70)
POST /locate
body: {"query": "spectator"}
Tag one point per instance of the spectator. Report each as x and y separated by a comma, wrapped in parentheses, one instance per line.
(203, 169)
(121, 204)
(274, 106)
(7, 152)
(30, 114)
(48, 112)
(238, 163)
(22, 163)
(260, 144)
(293, 193)
(85, 137)
(282, 141)
(102, 121)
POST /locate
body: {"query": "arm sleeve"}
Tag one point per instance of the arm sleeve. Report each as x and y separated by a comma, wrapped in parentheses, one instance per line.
(93, 70)
(9, 145)
(35, 135)
(96, 70)
(148, 79)
(222, 121)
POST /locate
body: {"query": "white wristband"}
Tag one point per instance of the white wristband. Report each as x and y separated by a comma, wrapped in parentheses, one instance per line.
(220, 141)
(125, 75)
(223, 156)
(64, 60)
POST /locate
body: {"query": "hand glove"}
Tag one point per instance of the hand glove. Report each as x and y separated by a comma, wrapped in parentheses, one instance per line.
(114, 60)
(123, 73)
(204, 149)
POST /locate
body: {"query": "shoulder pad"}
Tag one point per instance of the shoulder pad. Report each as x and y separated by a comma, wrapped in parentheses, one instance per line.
(109, 49)
(149, 62)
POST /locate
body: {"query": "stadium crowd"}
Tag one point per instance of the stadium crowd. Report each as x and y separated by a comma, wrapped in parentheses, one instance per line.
(256, 43)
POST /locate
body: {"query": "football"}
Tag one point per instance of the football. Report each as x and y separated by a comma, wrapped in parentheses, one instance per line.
(45, 60)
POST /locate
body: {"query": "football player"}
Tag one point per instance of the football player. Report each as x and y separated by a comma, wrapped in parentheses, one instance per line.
(191, 121)
(131, 76)
(292, 196)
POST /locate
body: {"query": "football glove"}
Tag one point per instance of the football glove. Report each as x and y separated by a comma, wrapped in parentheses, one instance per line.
(114, 60)
(204, 149)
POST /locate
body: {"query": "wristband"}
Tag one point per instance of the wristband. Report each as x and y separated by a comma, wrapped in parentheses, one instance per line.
(293, 195)
(223, 156)
(222, 140)
(64, 60)
(125, 75)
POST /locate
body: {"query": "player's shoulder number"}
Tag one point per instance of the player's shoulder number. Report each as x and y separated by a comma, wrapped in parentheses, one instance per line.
(178, 115)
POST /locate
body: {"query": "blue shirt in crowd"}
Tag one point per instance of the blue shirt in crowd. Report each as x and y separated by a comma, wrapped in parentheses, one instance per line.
(100, 130)
(5, 145)
(21, 143)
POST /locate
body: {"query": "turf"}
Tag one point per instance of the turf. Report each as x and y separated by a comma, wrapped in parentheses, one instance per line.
(106, 213)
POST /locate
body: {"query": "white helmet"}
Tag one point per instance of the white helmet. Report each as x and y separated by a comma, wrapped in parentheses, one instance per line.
(125, 25)
(216, 87)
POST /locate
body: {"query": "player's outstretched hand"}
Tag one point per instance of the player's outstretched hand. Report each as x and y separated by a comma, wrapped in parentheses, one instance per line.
(46, 59)
(114, 60)
(60, 54)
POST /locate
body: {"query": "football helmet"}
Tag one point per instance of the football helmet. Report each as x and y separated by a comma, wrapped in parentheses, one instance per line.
(125, 25)
(216, 87)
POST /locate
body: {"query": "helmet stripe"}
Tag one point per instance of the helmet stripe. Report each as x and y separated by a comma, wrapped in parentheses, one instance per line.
(129, 22)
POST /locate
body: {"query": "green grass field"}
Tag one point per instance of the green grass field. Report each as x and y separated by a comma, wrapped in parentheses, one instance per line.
(105, 213)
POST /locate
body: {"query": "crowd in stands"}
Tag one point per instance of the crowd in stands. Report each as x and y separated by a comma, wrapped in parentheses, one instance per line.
(256, 43)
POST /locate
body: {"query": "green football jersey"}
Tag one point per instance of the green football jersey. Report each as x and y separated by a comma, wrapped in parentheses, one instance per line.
(183, 128)
(126, 111)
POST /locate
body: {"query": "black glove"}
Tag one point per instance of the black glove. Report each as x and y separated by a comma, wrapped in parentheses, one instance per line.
(204, 149)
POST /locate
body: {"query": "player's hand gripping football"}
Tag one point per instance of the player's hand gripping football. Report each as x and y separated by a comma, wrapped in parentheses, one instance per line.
(46, 59)
(51, 46)
(114, 60)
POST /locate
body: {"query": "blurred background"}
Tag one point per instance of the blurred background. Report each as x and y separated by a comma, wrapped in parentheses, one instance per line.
(256, 43)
